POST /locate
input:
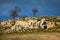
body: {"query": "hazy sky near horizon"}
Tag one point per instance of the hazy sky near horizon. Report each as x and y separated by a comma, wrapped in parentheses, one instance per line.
(45, 7)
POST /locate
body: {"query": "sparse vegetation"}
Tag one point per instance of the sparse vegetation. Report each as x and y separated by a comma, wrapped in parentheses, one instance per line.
(55, 29)
(1, 31)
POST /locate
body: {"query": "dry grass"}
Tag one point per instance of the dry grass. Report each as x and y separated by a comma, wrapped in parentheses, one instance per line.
(36, 36)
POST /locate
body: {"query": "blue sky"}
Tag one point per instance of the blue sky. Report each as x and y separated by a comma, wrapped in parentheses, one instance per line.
(45, 7)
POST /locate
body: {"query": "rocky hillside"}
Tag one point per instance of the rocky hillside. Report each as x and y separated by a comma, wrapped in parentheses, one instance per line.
(43, 22)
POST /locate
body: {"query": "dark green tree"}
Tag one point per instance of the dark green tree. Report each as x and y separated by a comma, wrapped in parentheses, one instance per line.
(34, 11)
(14, 13)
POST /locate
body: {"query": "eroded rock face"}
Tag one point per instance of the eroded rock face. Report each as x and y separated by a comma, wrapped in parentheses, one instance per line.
(22, 23)
(46, 24)
(25, 24)
(31, 24)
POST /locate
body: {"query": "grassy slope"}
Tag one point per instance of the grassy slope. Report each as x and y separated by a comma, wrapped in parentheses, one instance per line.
(33, 36)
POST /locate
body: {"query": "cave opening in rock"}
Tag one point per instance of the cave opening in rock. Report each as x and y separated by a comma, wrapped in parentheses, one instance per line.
(45, 27)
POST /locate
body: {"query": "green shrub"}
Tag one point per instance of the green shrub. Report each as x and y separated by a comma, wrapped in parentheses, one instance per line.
(1, 31)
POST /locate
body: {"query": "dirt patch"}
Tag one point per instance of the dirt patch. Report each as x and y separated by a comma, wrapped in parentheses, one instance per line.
(47, 36)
